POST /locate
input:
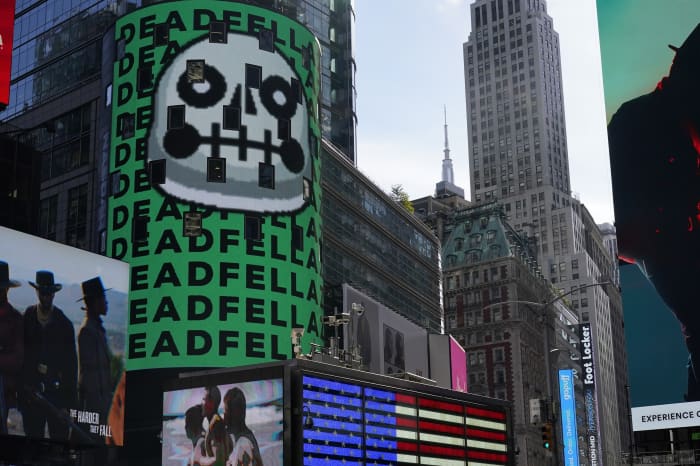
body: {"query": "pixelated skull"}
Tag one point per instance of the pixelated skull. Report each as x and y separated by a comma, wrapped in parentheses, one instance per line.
(248, 111)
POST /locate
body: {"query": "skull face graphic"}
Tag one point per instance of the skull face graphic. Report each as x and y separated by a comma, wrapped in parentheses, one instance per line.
(235, 110)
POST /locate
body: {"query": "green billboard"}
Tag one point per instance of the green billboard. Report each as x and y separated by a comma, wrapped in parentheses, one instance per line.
(214, 169)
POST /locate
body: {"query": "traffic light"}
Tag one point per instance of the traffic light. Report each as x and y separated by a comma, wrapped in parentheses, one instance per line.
(547, 435)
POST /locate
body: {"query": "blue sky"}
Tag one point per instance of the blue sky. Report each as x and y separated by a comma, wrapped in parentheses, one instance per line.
(409, 64)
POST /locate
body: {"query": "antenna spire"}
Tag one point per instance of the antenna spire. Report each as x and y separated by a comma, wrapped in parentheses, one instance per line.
(447, 170)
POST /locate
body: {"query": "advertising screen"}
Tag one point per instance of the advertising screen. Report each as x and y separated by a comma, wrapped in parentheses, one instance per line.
(651, 65)
(388, 343)
(589, 397)
(355, 424)
(62, 350)
(227, 423)
(458, 365)
(215, 192)
(568, 417)
(7, 25)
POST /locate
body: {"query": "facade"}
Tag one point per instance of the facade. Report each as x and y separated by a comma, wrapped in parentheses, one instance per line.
(518, 157)
(54, 100)
(375, 245)
(493, 296)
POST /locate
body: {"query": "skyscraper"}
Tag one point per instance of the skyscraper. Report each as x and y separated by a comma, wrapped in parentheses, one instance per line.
(518, 156)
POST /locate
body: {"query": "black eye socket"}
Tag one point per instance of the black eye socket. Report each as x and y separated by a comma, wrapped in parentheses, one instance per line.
(216, 91)
(182, 142)
(272, 85)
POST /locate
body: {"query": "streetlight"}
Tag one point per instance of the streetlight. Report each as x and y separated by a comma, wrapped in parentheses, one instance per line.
(547, 350)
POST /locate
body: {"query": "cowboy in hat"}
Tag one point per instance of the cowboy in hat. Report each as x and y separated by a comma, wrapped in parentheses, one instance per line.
(95, 384)
(11, 347)
(51, 362)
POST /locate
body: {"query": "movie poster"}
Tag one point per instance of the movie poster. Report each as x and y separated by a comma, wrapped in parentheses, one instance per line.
(62, 351)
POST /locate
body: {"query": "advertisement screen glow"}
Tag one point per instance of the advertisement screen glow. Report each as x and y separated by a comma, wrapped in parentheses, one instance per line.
(568, 417)
(651, 105)
(393, 427)
(215, 195)
(71, 382)
(7, 24)
(244, 421)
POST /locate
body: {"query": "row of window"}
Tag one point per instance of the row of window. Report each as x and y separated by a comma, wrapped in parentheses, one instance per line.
(479, 377)
(482, 336)
(474, 277)
(478, 358)
(472, 318)
(75, 217)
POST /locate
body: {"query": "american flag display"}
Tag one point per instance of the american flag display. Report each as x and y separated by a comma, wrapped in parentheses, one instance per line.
(357, 425)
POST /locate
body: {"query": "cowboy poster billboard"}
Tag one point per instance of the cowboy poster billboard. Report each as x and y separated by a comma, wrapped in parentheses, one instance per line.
(650, 54)
(215, 193)
(62, 341)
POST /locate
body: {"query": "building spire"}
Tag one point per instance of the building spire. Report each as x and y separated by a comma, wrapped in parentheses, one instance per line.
(447, 170)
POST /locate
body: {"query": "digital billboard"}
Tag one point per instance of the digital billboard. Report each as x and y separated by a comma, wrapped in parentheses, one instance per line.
(567, 399)
(458, 366)
(229, 423)
(585, 333)
(354, 423)
(450, 371)
(215, 192)
(388, 343)
(62, 349)
(651, 65)
(7, 25)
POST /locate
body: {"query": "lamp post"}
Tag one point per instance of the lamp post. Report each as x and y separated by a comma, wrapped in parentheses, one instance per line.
(544, 306)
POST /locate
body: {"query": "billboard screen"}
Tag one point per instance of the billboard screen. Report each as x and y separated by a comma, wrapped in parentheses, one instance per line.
(585, 333)
(215, 192)
(7, 25)
(388, 343)
(458, 365)
(62, 352)
(650, 82)
(569, 431)
(226, 423)
(355, 423)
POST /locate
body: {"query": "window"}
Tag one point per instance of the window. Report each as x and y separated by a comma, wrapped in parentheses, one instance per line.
(473, 257)
(498, 355)
(496, 315)
(266, 175)
(217, 32)
(47, 217)
(499, 375)
(252, 228)
(475, 240)
(490, 236)
(76, 224)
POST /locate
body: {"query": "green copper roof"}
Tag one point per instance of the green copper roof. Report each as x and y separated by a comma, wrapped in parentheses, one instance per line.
(480, 234)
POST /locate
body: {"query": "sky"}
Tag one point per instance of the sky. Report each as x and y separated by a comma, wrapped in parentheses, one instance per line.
(410, 65)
